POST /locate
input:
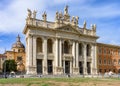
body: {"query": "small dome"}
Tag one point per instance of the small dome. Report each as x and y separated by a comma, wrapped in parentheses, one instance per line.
(18, 43)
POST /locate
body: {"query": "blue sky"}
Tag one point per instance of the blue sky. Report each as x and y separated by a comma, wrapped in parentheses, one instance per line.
(104, 13)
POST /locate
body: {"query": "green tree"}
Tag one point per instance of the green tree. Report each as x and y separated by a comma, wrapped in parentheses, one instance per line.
(9, 65)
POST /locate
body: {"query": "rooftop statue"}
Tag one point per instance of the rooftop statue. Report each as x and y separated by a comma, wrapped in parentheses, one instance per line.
(29, 13)
(60, 15)
(73, 19)
(34, 14)
(44, 16)
(94, 27)
(84, 26)
(77, 18)
(57, 16)
(66, 10)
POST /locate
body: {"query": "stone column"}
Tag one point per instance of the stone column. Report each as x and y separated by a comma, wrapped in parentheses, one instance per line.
(74, 57)
(34, 55)
(29, 55)
(95, 57)
(63, 66)
(56, 55)
(71, 69)
(73, 53)
(77, 55)
(92, 59)
(45, 55)
(60, 56)
(85, 60)
(60, 53)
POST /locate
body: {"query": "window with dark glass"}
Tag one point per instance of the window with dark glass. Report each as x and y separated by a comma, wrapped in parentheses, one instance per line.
(66, 47)
(19, 58)
(49, 46)
(39, 45)
(88, 48)
(119, 61)
(80, 49)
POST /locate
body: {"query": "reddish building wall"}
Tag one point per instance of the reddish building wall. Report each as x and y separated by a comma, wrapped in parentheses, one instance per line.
(108, 58)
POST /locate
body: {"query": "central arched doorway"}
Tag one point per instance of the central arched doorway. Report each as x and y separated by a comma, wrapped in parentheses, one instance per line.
(50, 67)
(39, 66)
(67, 67)
(80, 67)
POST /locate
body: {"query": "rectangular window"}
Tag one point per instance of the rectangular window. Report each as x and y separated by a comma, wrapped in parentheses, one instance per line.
(100, 70)
(19, 58)
(119, 52)
(119, 62)
(100, 51)
(104, 51)
(104, 60)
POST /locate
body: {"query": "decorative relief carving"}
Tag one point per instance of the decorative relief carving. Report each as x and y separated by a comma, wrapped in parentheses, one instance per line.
(59, 69)
(75, 69)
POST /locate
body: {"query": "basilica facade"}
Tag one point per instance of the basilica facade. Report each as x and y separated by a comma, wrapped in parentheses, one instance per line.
(61, 46)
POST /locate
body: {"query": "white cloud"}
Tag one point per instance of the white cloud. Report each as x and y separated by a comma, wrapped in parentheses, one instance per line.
(13, 16)
(1, 40)
(2, 50)
(105, 11)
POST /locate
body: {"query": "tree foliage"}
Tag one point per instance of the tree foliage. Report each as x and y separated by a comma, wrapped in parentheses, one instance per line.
(9, 65)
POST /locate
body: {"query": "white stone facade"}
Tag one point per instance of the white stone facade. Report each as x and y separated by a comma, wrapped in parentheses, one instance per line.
(59, 47)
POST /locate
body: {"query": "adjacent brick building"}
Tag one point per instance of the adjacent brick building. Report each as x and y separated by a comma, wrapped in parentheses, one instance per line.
(108, 57)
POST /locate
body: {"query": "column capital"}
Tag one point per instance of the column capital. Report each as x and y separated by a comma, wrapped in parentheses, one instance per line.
(45, 37)
(29, 36)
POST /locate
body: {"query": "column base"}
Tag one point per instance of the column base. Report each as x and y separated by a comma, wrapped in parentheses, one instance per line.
(59, 70)
(31, 70)
(85, 71)
(45, 70)
(94, 71)
(76, 70)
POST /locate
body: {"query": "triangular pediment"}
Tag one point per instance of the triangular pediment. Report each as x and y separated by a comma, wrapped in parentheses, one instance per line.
(69, 28)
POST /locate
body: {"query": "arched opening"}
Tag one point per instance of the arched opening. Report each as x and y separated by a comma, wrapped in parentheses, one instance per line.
(80, 49)
(119, 71)
(50, 46)
(39, 45)
(88, 48)
(66, 47)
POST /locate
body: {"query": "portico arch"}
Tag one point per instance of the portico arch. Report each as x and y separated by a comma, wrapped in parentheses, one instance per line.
(66, 47)
(88, 50)
(80, 49)
(50, 46)
(39, 45)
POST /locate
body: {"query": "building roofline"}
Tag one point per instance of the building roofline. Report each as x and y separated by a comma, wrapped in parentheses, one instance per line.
(110, 45)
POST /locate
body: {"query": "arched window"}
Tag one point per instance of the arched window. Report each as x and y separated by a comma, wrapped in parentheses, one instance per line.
(66, 47)
(80, 49)
(88, 48)
(39, 45)
(119, 71)
(49, 46)
(105, 60)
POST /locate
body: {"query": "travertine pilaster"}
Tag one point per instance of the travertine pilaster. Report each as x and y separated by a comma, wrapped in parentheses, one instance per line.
(85, 60)
(56, 55)
(73, 53)
(60, 53)
(45, 55)
(29, 58)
